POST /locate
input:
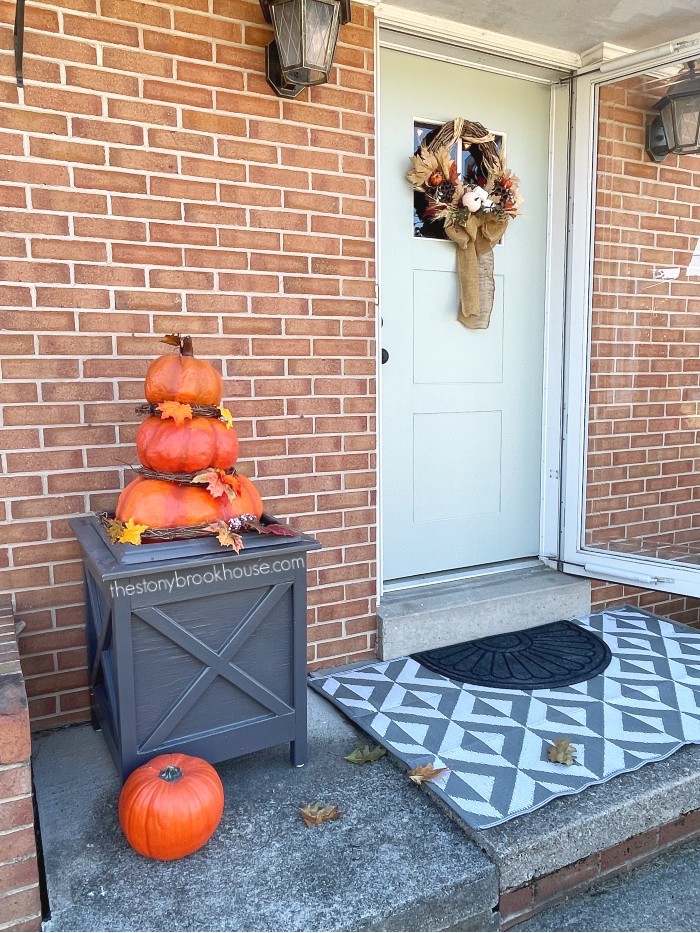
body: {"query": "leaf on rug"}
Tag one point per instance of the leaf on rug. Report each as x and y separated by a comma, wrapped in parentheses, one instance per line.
(562, 752)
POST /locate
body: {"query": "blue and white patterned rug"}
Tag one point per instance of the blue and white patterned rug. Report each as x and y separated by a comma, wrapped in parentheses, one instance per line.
(644, 707)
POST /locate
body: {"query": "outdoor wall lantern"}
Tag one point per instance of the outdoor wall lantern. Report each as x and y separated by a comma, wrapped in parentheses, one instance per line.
(306, 33)
(676, 128)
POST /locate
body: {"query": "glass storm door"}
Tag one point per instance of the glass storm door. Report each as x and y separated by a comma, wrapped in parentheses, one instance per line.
(632, 449)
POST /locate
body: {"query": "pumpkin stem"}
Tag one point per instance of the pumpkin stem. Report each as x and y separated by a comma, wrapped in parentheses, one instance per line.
(170, 774)
(186, 346)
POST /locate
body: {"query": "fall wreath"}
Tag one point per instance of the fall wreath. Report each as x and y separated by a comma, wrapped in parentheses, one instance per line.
(475, 210)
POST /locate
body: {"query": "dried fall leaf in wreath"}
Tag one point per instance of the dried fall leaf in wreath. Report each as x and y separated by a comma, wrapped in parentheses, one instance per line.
(365, 754)
(225, 536)
(313, 814)
(218, 484)
(562, 752)
(426, 774)
(175, 410)
(125, 532)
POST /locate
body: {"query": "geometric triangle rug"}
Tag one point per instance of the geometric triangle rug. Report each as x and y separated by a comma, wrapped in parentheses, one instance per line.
(643, 707)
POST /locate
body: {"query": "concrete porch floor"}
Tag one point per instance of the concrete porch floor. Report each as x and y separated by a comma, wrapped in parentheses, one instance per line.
(395, 861)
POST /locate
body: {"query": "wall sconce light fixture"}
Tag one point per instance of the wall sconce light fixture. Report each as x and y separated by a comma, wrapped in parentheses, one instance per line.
(676, 128)
(306, 33)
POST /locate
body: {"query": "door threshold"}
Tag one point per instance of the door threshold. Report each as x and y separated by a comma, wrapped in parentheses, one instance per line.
(455, 576)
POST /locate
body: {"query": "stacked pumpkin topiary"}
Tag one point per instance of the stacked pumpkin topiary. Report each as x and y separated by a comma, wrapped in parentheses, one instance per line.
(187, 448)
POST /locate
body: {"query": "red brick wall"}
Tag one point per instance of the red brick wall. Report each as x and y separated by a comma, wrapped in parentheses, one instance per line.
(643, 457)
(151, 183)
(20, 903)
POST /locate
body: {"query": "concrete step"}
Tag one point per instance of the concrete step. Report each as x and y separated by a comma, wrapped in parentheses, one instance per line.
(428, 617)
(392, 862)
(577, 842)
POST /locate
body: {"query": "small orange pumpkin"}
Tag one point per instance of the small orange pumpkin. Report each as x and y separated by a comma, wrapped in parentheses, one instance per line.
(182, 378)
(247, 501)
(158, 503)
(170, 807)
(166, 447)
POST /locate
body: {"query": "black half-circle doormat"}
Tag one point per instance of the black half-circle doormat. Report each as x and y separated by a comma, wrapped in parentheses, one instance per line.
(555, 655)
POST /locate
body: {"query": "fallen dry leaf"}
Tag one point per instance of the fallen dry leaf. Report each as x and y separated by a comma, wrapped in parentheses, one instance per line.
(175, 410)
(425, 773)
(366, 753)
(131, 533)
(314, 814)
(225, 536)
(562, 752)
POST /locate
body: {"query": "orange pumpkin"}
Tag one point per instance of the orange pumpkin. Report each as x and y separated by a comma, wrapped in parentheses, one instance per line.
(162, 504)
(247, 502)
(179, 377)
(166, 447)
(170, 807)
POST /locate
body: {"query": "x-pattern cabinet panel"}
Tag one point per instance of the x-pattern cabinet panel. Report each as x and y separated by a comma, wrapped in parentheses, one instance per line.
(202, 653)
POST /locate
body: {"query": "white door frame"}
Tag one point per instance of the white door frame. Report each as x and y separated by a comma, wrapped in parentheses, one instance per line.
(549, 72)
(649, 573)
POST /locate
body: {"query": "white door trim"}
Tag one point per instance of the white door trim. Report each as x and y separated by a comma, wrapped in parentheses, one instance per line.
(559, 146)
(576, 558)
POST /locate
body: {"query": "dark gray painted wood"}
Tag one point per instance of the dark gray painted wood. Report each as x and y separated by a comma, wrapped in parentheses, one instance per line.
(197, 652)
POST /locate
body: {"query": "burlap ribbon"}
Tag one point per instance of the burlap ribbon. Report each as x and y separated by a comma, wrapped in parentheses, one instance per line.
(475, 242)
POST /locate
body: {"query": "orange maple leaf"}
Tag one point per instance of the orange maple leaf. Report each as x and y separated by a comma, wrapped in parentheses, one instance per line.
(217, 483)
(175, 410)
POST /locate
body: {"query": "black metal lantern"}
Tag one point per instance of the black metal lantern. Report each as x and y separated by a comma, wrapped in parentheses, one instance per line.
(306, 33)
(677, 126)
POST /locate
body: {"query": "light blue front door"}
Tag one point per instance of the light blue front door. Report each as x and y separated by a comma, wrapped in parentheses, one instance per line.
(461, 409)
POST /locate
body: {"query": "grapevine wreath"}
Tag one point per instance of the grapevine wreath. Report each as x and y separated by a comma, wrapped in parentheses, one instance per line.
(475, 210)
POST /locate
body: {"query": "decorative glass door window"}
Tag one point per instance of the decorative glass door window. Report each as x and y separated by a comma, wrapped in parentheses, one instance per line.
(423, 227)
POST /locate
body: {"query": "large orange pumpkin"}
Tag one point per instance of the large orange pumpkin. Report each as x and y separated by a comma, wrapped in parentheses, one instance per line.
(179, 377)
(170, 807)
(247, 502)
(166, 447)
(162, 504)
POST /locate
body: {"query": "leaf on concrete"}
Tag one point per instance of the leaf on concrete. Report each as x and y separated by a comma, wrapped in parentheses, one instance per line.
(315, 813)
(426, 773)
(365, 754)
(562, 752)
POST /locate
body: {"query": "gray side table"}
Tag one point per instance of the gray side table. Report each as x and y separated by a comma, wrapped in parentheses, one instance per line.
(194, 648)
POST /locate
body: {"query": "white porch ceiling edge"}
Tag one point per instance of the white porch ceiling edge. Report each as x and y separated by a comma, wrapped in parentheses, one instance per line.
(433, 27)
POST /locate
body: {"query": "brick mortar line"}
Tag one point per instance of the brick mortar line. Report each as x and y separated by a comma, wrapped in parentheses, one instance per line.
(14, 829)
(599, 876)
(26, 919)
